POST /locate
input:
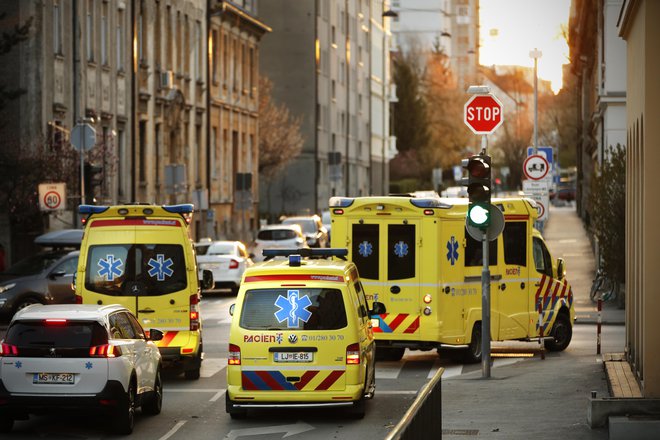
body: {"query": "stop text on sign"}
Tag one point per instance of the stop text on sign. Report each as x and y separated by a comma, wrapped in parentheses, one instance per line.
(483, 114)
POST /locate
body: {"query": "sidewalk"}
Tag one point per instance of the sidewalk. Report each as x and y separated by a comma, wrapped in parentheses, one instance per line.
(534, 398)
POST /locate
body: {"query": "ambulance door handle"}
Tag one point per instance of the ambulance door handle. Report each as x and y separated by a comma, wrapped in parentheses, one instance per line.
(502, 287)
(522, 285)
(395, 289)
(146, 311)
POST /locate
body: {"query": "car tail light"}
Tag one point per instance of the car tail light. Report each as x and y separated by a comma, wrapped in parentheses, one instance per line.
(233, 264)
(105, 351)
(234, 355)
(8, 350)
(194, 312)
(353, 354)
(55, 322)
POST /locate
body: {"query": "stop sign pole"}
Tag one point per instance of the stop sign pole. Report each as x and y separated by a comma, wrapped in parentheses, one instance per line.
(483, 113)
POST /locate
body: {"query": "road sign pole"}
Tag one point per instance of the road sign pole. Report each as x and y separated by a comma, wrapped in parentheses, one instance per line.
(485, 292)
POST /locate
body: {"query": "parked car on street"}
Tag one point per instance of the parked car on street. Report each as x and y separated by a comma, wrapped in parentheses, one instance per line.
(315, 233)
(227, 260)
(74, 357)
(282, 236)
(44, 278)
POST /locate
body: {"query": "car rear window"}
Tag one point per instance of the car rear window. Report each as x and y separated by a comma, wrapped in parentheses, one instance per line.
(135, 269)
(307, 226)
(276, 234)
(70, 339)
(293, 309)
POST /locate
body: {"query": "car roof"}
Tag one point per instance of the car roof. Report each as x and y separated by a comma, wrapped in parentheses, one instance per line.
(300, 217)
(280, 226)
(74, 312)
(61, 238)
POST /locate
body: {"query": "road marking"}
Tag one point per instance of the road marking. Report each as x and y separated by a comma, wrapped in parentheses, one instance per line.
(568, 240)
(396, 393)
(288, 430)
(218, 392)
(173, 430)
(210, 366)
(388, 370)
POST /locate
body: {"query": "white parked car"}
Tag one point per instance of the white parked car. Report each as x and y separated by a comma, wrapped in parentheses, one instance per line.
(227, 260)
(278, 237)
(315, 233)
(77, 356)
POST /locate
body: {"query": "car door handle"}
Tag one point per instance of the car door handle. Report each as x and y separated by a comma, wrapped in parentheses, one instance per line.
(146, 311)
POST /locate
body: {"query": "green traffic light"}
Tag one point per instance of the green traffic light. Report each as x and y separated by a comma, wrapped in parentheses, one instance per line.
(479, 216)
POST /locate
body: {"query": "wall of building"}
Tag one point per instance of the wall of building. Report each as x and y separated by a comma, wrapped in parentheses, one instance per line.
(638, 26)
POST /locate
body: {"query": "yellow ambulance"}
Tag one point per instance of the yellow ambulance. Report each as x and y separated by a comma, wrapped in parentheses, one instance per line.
(301, 335)
(415, 256)
(142, 257)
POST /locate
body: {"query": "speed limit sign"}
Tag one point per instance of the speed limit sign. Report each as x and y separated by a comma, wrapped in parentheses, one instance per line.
(52, 196)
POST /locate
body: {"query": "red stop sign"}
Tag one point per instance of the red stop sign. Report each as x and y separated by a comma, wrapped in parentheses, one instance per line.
(483, 114)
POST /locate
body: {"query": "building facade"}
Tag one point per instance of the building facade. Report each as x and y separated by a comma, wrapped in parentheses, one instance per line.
(637, 24)
(330, 43)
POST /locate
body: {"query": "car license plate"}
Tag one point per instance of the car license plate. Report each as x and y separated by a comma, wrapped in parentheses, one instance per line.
(55, 378)
(304, 356)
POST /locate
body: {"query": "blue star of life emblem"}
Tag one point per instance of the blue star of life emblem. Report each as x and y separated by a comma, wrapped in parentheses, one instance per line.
(110, 268)
(401, 249)
(293, 308)
(89, 365)
(18, 364)
(160, 267)
(452, 250)
(365, 249)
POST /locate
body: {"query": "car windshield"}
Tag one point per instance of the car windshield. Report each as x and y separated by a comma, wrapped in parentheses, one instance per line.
(307, 226)
(293, 309)
(34, 265)
(221, 249)
(276, 234)
(135, 269)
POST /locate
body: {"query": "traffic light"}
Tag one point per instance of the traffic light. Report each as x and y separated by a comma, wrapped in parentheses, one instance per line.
(93, 180)
(478, 188)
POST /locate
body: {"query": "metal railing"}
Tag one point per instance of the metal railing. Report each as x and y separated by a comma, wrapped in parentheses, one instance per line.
(424, 415)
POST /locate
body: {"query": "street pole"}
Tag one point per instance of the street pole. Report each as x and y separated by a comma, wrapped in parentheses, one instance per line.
(536, 54)
(485, 293)
(82, 168)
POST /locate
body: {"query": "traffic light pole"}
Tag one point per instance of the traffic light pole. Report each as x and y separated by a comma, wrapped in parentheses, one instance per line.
(485, 292)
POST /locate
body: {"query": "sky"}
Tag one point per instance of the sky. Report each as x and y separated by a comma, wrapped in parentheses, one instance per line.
(510, 29)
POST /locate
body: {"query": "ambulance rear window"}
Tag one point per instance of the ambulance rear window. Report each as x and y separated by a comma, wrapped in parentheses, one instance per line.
(135, 269)
(293, 309)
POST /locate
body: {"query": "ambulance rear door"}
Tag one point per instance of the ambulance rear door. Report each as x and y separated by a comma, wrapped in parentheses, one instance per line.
(386, 254)
(510, 295)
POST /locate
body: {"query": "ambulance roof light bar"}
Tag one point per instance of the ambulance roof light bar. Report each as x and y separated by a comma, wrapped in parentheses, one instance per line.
(306, 253)
(430, 203)
(340, 202)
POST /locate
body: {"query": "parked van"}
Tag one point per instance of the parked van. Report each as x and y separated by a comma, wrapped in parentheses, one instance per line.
(416, 256)
(301, 335)
(142, 257)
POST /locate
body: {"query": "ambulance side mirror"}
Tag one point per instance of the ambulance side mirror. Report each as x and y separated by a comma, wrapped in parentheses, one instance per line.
(561, 269)
(231, 309)
(378, 308)
(207, 280)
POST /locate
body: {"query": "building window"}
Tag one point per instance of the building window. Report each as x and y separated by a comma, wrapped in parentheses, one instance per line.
(214, 58)
(199, 48)
(90, 30)
(120, 40)
(141, 29)
(225, 59)
(104, 33)
(57, 28)
(142, 133)
(121, 169)
(252, 68)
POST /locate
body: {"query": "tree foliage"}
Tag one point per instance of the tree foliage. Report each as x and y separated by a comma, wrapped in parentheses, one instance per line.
(280, 140)
(558, 122)
(608, 207)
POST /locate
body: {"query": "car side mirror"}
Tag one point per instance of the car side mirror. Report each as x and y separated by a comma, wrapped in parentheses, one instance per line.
(231, 309)
(207, 279)
(57, 274)
(378, 308)
(251, 255)
(561, 269)
(155, 334)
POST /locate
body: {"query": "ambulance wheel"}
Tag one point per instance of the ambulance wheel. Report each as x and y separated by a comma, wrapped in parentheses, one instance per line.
(359, 408)
(389, 354)
(473, 353)
(234, 413)
(561, 334)
(192, 374)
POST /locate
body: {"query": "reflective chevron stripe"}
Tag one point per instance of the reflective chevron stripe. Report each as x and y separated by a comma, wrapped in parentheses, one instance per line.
(551, 291)
(396, 323)
(264, 380)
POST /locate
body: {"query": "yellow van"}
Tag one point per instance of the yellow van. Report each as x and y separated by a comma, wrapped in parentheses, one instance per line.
(416, 256)
(142, 257)
(301, 335)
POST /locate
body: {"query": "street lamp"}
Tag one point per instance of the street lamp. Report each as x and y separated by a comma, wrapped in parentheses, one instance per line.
(536, 54)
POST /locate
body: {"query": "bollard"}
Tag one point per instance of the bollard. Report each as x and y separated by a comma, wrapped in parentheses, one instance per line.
(598, 323)
(541, 345)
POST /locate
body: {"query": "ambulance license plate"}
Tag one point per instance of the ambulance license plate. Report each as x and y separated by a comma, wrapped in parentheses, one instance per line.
(301, 356)
(54, 378)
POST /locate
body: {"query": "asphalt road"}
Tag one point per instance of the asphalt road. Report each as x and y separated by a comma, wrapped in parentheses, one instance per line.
(196, 409)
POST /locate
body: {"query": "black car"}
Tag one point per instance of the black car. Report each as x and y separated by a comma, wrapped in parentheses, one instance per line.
(43, 278)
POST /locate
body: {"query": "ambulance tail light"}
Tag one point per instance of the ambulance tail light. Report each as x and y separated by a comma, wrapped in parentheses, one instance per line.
(233, 264)
(194, 312)
(79, 299)
(353, 354)
(234, 355)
